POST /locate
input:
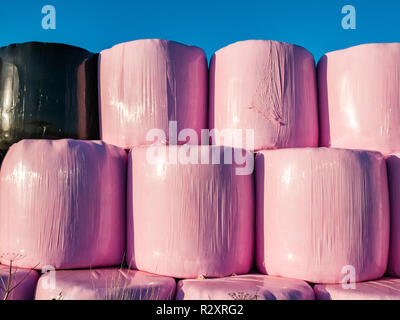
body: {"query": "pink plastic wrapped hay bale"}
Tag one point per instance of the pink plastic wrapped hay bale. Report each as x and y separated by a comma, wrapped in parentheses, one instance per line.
(62, 203)
(322, 213)
(245, 287)
(383, 289)
(393, 167)
(144, 84)
(268, 87)
(359, 92)
(187, 218)
(20, 286)
(104, 284)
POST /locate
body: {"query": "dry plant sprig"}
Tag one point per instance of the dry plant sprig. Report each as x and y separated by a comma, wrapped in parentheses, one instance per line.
(242, 296)
(8, 287)
(117, 288)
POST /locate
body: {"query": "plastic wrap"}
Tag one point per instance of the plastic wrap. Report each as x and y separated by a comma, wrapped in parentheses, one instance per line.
(188, 220)
(245, 287)
(144, 84)
(360, 97)
(62, 203)
(383, 289)
(47, 91)
(393, 167)
(104, 284)
(322, 214)
(22, 285)
(268, 87)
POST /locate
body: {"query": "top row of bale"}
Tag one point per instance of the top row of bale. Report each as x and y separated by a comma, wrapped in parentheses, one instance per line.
(351, 100)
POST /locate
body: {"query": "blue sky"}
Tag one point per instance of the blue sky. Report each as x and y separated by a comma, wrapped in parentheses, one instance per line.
(97, 25)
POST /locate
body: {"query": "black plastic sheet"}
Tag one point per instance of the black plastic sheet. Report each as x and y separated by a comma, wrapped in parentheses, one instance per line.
(2, 155)
(47, 91)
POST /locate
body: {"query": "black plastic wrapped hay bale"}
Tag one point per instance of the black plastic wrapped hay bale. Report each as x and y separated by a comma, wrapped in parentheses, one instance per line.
(47, 91)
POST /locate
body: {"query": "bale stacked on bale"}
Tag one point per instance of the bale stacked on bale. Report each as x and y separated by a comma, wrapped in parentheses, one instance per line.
(144, 84)
(62, 203)
(47, 91)
(268, 87)
(189, 219)
(320, 210)
(359, 97)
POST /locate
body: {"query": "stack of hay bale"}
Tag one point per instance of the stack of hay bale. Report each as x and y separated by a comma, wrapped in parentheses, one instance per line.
(134, 205)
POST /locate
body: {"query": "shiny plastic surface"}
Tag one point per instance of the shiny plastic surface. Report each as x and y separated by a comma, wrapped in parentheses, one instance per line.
(144, 84)
(320, 213)
(245, 287)
(393, 168)
(359, 94)
(383, 289)
(47, 91)
(22, 285)
(104, 284)
(188, 220)
(62, 203)
(268, 87)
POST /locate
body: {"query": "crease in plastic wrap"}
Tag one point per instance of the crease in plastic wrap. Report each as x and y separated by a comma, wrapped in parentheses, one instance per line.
(144, 84)
(393, 168)
(359, 97)
(268, 87)
(47, 91)
(244, 287)
(62, 203)
(21, 286)
(322, 214)
(382, 289)
(104, 284)
(187, 220)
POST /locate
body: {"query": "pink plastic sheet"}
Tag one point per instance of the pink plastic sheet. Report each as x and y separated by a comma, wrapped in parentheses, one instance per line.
(268, 87)
(21, 286)
(188, 220)
(320, 213)
(104, 284)
(245, 287)
(359, 93)
(393, 167)
(383, 289)
(144, 84)
(62, 203)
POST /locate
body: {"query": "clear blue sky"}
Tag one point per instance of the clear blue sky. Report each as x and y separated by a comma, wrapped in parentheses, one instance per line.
(209, 24)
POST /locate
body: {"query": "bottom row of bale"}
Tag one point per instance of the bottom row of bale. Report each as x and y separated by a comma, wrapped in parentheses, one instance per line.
(127, 284)
(189, 212)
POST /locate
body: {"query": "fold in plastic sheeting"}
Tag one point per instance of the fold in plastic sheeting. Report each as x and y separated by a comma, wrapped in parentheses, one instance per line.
(245, 287)
(144, 84)
(383, 289)
(393, 168)
(187, 220)
(268, 87)
(47, 91)
(62, 203)
(359, 93)
(104, 284)
(20, 286)
(322, 214)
